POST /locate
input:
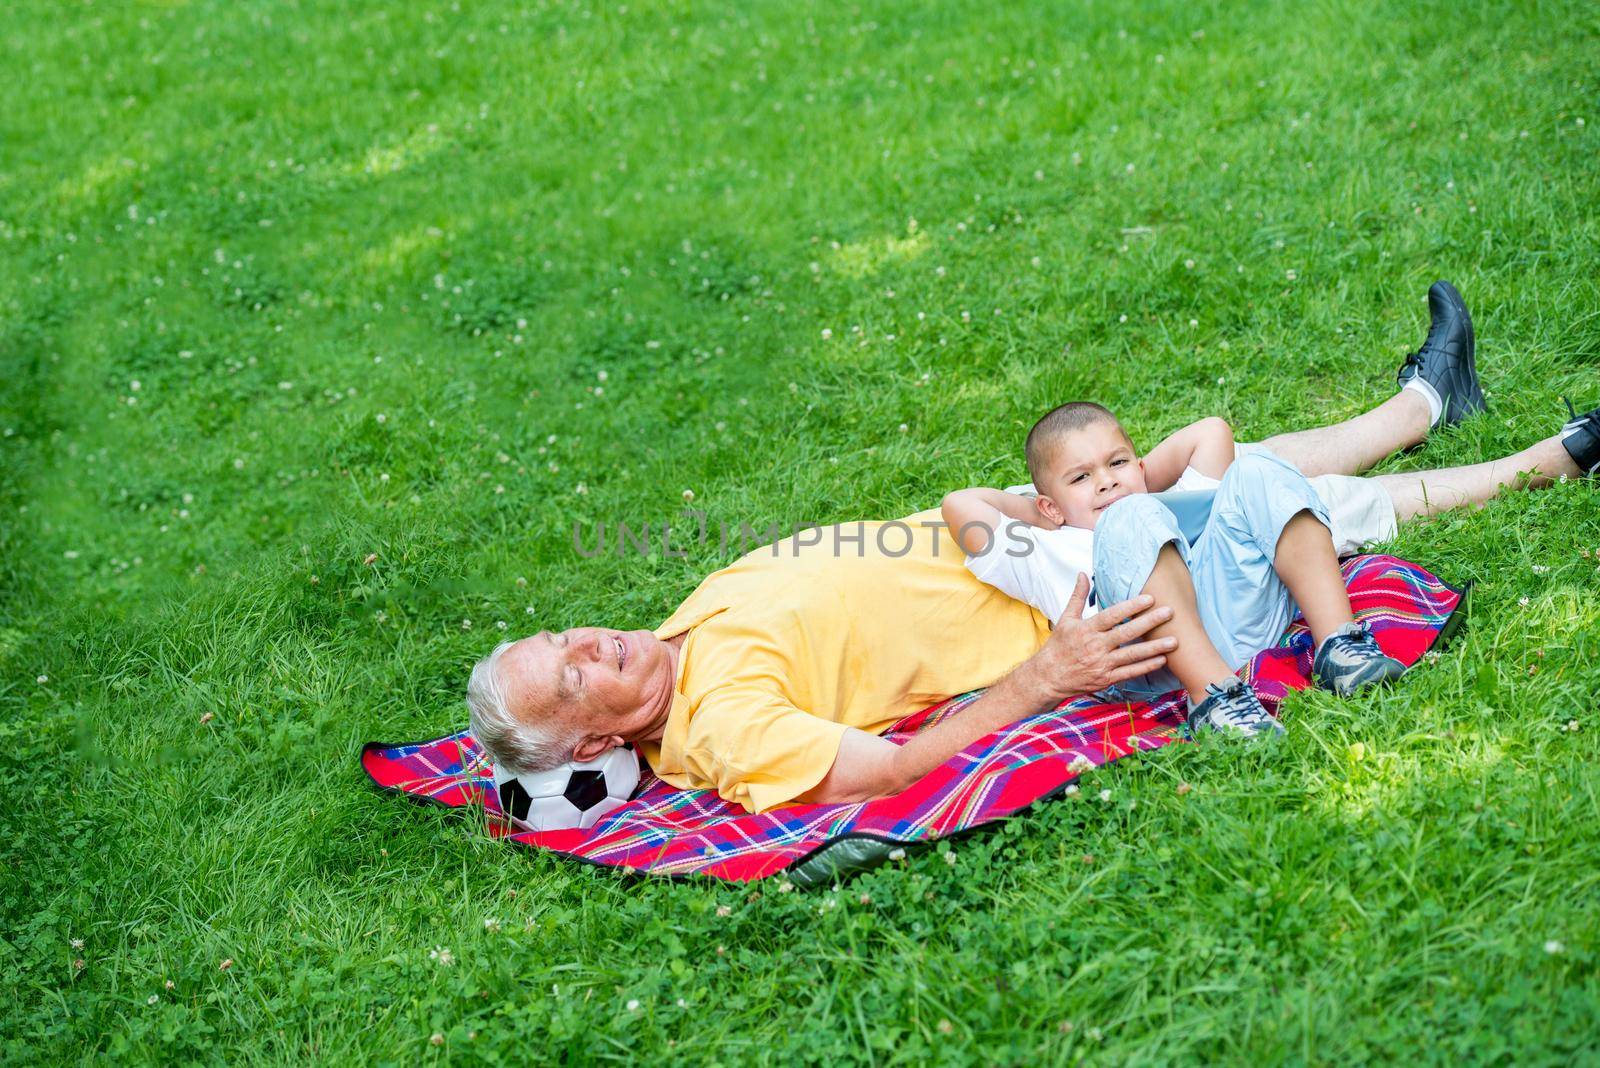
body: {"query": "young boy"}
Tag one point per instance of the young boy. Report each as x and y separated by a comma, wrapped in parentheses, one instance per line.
(1266, 548)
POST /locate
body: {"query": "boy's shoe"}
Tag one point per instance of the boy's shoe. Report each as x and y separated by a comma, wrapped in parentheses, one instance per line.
(1581, 438)
(1350, 660)
(1233, 707)
(1445, 362)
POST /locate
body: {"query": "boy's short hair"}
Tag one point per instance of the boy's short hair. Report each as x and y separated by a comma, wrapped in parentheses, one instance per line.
(1056, 424)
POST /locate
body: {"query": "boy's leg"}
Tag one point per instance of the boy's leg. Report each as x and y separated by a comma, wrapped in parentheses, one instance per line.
(1309, 568)
(1246, 602)
(1138, 545)
(1268, 512)
(1139, 548)
(1421, 493)
(1195, 662)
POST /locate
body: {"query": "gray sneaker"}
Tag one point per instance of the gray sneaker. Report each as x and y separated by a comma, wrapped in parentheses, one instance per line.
(1350, 660)
(1233, 707)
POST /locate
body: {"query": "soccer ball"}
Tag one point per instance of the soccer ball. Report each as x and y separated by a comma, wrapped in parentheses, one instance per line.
(575, 794)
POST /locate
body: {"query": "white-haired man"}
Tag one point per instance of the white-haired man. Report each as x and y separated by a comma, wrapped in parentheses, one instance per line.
(775, 679)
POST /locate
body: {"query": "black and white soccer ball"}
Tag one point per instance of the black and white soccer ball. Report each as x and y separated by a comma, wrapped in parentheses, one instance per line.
(575, 794)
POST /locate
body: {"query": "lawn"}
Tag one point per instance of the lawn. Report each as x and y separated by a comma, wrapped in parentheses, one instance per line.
(322, 325)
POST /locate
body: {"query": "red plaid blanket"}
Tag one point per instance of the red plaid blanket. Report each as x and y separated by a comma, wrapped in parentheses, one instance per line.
(667, 831)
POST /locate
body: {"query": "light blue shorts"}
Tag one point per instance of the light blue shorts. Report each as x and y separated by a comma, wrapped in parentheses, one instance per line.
(1244, 606)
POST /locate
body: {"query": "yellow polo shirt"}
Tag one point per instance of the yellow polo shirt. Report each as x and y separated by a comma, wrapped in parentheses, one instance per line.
(795, 643)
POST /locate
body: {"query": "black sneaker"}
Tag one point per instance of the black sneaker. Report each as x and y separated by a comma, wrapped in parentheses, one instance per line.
(1350, 660)
(1581, 438)
(1235, 708)
(1445, 360)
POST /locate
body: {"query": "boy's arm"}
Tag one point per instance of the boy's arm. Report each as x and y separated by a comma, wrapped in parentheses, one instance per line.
(1206, 446)
(969, 515)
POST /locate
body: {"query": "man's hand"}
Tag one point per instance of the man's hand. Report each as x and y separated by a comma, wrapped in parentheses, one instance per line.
(1083, 656)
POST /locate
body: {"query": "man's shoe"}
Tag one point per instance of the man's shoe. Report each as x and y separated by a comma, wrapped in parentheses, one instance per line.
(1235, 708)
(1445, 362)
(1350, 660)
(1581, 438)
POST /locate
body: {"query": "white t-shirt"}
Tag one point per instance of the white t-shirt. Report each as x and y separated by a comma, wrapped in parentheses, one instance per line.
(1040, 567)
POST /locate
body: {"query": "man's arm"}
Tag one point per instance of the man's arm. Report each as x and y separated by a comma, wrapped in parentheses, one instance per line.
(1206, 446)
(969, 515)
(1081, 656)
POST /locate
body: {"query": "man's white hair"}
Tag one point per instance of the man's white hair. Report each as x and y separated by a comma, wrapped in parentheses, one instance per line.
(514, 745)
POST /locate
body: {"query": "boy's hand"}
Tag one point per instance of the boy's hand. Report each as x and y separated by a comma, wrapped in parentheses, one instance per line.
(1206, 446)
(974, 516)
(1083, 656)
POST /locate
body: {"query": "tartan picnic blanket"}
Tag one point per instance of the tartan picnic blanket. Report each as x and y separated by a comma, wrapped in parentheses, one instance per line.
(667, 831)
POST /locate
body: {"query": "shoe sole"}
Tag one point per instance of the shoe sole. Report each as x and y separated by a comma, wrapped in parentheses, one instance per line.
(1194, 733)
(1453, 296)
(1385, 677)
(1587, 424)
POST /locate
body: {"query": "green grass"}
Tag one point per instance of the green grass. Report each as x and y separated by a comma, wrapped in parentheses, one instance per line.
(367, 263)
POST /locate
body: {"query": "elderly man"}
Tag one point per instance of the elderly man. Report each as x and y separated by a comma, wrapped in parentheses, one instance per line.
(773, 682)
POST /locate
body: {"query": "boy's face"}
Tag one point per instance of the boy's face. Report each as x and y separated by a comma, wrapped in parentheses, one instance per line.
(1087, 471)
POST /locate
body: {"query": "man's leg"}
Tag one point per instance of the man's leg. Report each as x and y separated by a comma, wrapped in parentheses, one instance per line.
(1420, 493)
(1350, 447)
(1438, 386)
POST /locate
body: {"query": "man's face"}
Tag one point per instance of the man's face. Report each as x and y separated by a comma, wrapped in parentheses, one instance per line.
(605, 687)
(1088, 470)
